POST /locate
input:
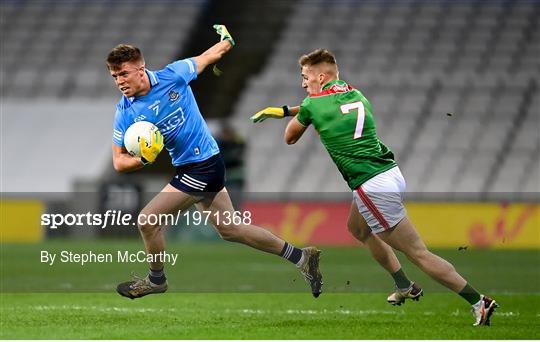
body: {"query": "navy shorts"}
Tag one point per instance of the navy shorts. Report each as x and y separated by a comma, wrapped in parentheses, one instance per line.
(205, 178)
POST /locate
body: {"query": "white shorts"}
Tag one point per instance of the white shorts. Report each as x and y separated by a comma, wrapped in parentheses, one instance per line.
(380, 200)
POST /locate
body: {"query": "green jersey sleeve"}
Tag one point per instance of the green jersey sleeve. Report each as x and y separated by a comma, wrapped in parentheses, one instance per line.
(304, 115)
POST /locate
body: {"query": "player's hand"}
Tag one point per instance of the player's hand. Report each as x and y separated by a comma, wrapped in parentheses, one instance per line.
(150, 153)
(270, 112)
(224, 33)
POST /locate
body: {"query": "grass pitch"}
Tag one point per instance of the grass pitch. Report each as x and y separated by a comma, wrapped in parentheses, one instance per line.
(226, 291)
(259, 316)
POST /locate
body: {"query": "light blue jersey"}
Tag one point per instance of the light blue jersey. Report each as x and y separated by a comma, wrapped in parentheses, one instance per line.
(171, 106)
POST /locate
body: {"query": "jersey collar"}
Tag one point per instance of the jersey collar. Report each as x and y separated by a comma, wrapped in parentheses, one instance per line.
(153, 81)
(334, 87)
(331, 83)
(153, 77)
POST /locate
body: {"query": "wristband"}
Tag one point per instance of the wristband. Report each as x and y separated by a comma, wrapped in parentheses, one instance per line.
(286, 111)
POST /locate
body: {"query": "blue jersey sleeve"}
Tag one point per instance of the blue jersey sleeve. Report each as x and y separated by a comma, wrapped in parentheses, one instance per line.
(119, 128)
(185, 69)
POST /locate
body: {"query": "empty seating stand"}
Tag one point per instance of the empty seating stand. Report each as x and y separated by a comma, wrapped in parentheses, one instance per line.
(54, 77)
(416, 61)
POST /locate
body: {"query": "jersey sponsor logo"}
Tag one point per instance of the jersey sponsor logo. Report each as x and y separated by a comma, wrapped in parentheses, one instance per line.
(171, 121)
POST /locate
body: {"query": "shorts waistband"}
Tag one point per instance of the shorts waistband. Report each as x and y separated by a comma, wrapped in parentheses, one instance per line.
(199, 164)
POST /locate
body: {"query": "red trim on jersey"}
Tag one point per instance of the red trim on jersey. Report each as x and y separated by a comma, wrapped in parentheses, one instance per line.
(372, 208)
(334, 89)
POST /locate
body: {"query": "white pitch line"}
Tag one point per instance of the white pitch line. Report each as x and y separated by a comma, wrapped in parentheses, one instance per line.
(256, 311)
(508, 313)
(320, 312)
(98, 308)
(498, 313)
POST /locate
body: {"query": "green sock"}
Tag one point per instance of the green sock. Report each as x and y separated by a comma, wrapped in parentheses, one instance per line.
(470, 294)
(401, 280)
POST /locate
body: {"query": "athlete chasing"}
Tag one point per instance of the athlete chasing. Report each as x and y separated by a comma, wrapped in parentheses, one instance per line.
(165, 99)
(343, 118)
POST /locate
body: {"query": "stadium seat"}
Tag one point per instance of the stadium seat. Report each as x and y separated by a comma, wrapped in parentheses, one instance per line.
(53, 54)
(472, 60)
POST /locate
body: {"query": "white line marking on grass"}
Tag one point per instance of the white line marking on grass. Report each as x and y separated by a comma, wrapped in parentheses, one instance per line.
(327, 312)
(250, 311)
(319, 312)
(303, 312)
(506, 313)
(345, 312)
(99, 309)
(497, 313)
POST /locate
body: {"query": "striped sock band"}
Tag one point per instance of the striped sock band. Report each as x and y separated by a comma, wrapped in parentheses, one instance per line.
(291, 253)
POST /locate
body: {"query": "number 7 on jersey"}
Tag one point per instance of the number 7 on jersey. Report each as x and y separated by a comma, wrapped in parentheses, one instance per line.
(346, 109)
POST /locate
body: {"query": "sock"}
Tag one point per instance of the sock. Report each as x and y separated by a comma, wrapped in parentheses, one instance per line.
(300, 261)
(157, 276)
(401, 280)
(291, 253)
(470, 294)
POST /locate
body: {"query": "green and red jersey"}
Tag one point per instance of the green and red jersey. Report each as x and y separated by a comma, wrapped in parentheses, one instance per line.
(344, 119)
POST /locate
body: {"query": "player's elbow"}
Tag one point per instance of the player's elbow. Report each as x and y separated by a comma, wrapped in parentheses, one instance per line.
(118, 166)
(290, 141)
(290, 138)
(293, 132)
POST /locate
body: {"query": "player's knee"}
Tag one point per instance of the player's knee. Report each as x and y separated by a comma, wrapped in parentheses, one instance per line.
(229, 232)
(418, 255)
(358, 233)
(147, 228)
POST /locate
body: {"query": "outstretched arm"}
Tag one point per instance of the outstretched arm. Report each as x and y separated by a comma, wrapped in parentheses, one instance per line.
(294, 129)
(294, 110)
(275, 113)
(214, 54)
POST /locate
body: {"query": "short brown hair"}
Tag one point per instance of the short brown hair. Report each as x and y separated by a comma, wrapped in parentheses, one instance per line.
(317, 57)
(123, 53)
